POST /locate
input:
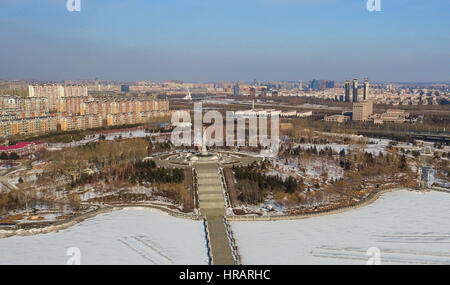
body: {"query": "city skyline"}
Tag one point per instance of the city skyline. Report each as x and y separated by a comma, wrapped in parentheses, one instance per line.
(224, 132)
(200, 41)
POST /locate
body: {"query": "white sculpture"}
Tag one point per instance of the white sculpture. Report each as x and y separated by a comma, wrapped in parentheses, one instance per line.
(204, 150)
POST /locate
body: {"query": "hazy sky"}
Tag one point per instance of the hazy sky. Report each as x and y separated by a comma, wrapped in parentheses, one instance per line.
(210, 40)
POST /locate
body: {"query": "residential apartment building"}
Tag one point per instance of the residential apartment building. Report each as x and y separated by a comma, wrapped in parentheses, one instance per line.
(28, 126)
(55, 92)
(27, 116)
(32, 106)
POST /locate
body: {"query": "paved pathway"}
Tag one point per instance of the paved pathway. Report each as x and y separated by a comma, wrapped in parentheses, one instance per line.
(212, 206)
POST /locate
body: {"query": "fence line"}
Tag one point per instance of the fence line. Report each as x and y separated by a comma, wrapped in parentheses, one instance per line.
(208, 245)
(224, 185)
(233, 245)
(440, 189)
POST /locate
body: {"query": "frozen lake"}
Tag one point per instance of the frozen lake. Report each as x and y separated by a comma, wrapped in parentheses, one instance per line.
(407, 228)
(131, 236)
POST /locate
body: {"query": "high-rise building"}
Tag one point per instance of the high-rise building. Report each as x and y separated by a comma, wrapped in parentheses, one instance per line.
(236, 89)
(264, 92)
(366, 89)
(125, 88)
(355, 90)
(362, 110)
(347, 91)
(329, 84)
(252, 92)
(300, 85)
(55, 92)
(314, 85)
(75, 91)
(322, 85)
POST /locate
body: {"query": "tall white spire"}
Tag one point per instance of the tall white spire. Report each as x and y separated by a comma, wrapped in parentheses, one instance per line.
(188, 97)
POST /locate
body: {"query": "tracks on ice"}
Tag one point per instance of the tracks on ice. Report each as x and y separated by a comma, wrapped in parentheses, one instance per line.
(154, 248)
(146, 249)
(414, 238)
(388, 255)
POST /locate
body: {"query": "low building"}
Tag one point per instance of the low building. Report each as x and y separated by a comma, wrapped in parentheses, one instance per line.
(288, 114)
(337, 118)
(23, 148)
(257, 113)
(394, 116)
(305, 114)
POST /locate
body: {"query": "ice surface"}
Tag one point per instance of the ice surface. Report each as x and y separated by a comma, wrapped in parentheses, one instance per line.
(131, 236)
(407, 227)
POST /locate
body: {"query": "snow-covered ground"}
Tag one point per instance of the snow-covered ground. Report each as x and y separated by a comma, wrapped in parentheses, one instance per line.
(375, 146)
(316, 168)
(139, 133)
(407, 227)
(126, 134)
(130, 236)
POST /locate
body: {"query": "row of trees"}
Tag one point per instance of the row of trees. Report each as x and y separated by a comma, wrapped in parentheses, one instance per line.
(368, 164)
(11, 200)
(432, 122)
(11, 156)
(296, 151)
(138, 173)
(27, 198)
(95, 155)
(443, 169)
(253, 186)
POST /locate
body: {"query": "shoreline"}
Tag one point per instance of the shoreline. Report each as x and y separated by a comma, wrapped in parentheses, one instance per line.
(371, 198)
(61, 225)
(65, 224)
